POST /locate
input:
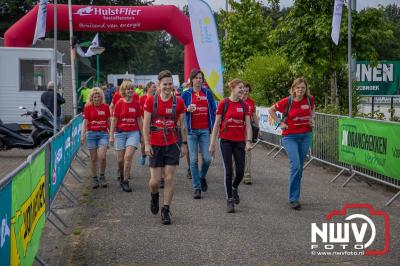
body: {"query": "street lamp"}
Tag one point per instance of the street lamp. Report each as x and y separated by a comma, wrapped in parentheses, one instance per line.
(98, 51)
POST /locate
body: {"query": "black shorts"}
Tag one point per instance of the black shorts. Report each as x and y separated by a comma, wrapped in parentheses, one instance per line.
(165, 155)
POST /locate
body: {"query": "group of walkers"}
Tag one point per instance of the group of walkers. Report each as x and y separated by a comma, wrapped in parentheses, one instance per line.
(166, 127)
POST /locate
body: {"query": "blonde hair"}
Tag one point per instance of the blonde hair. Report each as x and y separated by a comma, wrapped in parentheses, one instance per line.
(296, 82)
(234, 82)
(95, 90)
(125, 84)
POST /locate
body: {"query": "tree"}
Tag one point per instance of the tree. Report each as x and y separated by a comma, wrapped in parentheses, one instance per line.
(246, 30)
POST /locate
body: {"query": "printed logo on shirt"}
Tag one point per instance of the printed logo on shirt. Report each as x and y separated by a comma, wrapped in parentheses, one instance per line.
(305, 107)
(168, 110)
(239, 110)
(202, 98)
(131, 110)
(101, 113)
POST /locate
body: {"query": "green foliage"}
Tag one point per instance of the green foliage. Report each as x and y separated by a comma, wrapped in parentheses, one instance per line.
(270, 77)
(246, 30)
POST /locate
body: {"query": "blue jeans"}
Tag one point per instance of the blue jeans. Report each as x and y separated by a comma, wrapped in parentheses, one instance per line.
(296, 147)
(198, 138)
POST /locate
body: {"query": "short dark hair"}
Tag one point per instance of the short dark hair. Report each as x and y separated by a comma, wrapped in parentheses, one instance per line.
(247, 85)
(164, 74)
(193, 74)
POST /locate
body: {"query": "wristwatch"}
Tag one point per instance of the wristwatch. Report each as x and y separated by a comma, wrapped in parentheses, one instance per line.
(184, 142)
(249, 140)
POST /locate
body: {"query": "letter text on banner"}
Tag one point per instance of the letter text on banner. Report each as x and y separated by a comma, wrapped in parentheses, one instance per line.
(67, 147)
(336, 20)
(206, 44)
(28, 211)
(40, 30)
(5, 223)
(57, 164)
(76, 134)
(370, 144)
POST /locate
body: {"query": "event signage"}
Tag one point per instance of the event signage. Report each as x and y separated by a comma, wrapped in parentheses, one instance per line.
(267, 123)
(206, 44)
(67, 148)
(370, 144)
(56, 165)
(382, 79)
(76, 131)
(5, 223)
(28, 211)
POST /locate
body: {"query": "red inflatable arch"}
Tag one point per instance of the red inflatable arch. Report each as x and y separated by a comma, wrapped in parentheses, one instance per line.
(110, 18)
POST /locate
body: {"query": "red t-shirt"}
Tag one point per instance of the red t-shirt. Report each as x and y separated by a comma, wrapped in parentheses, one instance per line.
(164, 110)
(234, 122)
(97, 117)
(199, 117)
(298, 117)
(252, 107)
(117, 97)
(142, 101)
(127, 115)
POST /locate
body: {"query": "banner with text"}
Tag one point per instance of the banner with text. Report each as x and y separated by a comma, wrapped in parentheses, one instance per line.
(57, 165)
(76, 125)
(267, 124)
(370, 144)
(5, 223)
(67, 148)
(206, 44)
(28, 211)
(383, 79)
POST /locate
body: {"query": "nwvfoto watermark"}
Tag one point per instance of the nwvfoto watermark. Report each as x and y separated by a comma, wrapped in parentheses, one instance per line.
(354, 234)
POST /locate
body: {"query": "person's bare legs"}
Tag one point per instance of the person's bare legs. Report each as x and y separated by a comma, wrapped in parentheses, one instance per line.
(101, 155)
(120, 161)
(93, 161)
(127, 163)
(169, 172)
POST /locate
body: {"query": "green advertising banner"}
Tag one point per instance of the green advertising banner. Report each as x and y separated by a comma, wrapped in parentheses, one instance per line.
(28, 211)
(370, 144)
(383, 79)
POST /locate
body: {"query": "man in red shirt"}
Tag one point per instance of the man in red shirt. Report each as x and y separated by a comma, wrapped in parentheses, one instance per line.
(254, 120)
(162, 113)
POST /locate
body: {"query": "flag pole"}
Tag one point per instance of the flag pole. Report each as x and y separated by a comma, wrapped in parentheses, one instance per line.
(349, 58)
(72, 54)
(55, 69)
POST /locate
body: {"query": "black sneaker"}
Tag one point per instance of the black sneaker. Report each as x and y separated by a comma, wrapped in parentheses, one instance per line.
(95, 182)
(162, 183)
(165, 215)
(235, 194)
(155, 206)
(230, 206)
(103, 181)
(197, 194)
(295, 205)
(204, 185)
(189, 174)
(125, 186)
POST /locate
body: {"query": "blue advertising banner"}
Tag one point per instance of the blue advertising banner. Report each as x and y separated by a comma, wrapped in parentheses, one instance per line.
(57, 165)
(67, 148)
(76, 134)
(5, 224)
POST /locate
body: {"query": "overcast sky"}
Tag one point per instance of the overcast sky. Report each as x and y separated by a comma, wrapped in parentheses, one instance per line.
(218, 4)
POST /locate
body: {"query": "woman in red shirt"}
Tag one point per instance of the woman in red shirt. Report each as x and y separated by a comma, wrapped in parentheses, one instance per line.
(96, 120)
(126, 125)
(149, 90)
(232, 123)
(296, 132)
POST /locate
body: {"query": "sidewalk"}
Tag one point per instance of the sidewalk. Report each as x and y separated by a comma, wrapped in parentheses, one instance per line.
(116, 228)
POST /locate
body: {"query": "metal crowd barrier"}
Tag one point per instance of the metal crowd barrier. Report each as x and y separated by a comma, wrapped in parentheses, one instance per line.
(324, 149)
(30, 191)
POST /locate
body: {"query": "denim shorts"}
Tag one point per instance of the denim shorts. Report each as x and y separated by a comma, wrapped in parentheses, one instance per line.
(125, 139)
(95, 139)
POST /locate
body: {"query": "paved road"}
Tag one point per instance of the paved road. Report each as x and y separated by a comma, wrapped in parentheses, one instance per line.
(11, 159)
(116, 228)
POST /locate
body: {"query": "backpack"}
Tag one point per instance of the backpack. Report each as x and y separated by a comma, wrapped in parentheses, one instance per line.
(289, 105)
(154, 115)
(226, 104)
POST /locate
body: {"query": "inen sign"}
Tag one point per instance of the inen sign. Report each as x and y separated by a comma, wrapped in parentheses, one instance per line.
(382, 79)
